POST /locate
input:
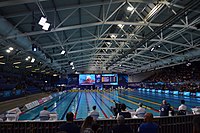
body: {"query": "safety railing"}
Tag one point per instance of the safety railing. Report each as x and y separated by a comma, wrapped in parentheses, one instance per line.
(174, 124)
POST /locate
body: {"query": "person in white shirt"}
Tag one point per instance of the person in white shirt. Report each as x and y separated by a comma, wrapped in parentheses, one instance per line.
(44, 114)
(182, 109)
(140, 112)
(94, 114)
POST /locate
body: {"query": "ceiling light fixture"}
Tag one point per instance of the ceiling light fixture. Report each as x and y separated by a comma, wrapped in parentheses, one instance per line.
(15, 63)
(17, 67)
(113, 36)
(129, 8)
(109, 43)
(34, 47)
(2, 63)
(71, 63)
(11, 48)
(120, 26)
(8, 51)
(33, 60)
(73, 67)
(46, 26)
(1, 56)
(42, 21)
(62, 52)
(152, 49)
(28, 66)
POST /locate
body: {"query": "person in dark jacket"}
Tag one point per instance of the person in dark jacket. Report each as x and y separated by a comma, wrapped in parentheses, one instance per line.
(69, 126)
(121, 127)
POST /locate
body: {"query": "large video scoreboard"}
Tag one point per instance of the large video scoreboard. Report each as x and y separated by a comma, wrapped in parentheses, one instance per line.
(109, 79)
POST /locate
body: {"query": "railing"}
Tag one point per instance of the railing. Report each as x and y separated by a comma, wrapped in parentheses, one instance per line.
(175, 124)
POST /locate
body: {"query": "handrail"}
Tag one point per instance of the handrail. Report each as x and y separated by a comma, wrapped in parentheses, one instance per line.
(171, 124)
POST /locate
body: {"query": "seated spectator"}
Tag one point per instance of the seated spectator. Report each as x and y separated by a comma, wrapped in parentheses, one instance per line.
(44, 114)
(148, 126)
(117, 108)
(69, 126)
(196, 125)
(124, 112)
(164, 108)
(87, 125)
(121, 127)
(94, 114)
(182, 108)
(140, 112)
(96, 128)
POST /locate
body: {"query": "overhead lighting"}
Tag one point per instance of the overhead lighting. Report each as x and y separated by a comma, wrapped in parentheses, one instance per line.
(8, 51)
(34, 48)
(2, 63)
(17, 67)
(42, 21)
(1, 56)
(26, 59)
(28, 66)
(15, 63)
(73, 67)
(55, 75)
(113, 36)
(71, 63)
(29, 57)
(45, 81)
(109, 43)
(11, 48)
(33, 60)
(62, 52)
(152, 49)
(46, 26)
(37, 69)
(188, 64)
(120, 26)
(42, 71)
(159, 46)
(76, 72)
(129, 8)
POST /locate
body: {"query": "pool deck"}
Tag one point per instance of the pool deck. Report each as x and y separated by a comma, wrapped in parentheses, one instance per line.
(18, 102)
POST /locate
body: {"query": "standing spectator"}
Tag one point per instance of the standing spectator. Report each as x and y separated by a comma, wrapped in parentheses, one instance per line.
(121, 127)
(69, 126)
(149, 126)
(196, 125)
(44, 114)
(94, 114)
(124, 112)
(140, 112)
(182, 108)
(164, 108)
(87, 125)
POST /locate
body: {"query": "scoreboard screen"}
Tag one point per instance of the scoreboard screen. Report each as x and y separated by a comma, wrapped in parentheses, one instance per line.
(109, 79)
